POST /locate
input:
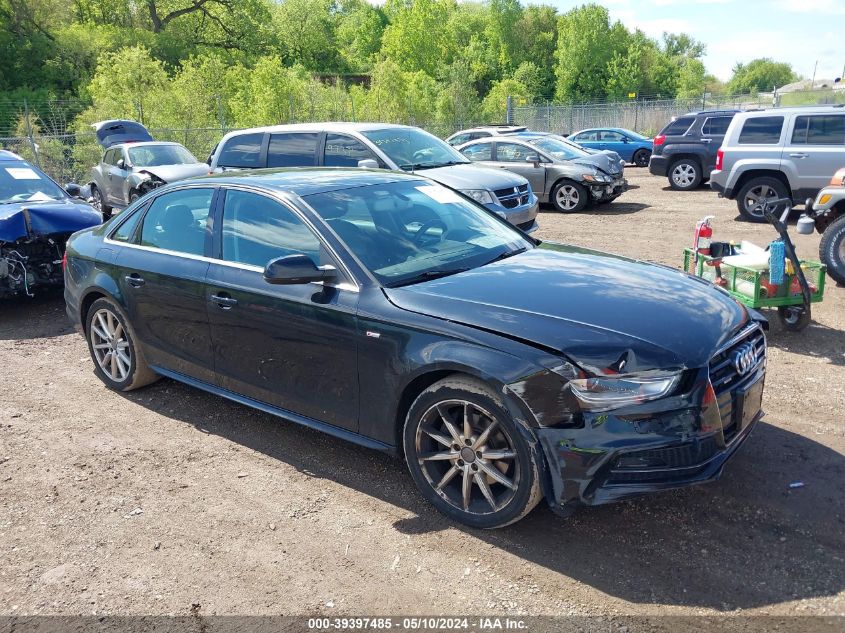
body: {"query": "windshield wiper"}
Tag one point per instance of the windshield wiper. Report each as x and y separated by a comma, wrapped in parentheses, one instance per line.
(506, 254)
(415, 166)
(428, 275)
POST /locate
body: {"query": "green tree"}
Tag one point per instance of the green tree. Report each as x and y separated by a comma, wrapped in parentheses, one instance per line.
(494, 106)
(305, 31)
(691, 79)
(760, 74)
(358, 33)
(415, 38)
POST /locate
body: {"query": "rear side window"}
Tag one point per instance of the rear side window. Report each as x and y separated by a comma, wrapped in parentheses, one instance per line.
(177, 221)
(295, 149)
(587, 136)
(716, 126)
(242, 151)
(257, 229)
(345, 151)
(679, 126)
(126, 230)
(762, 130)
(819, 130)
(481, 151)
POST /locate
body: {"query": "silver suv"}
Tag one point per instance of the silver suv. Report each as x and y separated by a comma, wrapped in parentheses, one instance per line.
(770, 154)
(379, 145)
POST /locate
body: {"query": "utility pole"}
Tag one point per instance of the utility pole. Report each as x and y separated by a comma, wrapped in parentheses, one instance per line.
(29, 134)
(815, 68)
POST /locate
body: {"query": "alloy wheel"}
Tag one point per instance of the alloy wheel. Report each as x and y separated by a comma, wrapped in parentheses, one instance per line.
(467, 457)
(97, 200)
(683, 175)
(110, 345)
(567, 197)
(757, 197)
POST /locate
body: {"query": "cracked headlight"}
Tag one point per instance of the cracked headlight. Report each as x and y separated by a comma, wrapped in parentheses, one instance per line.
(610, 392)
(596, 178)
(482, 196)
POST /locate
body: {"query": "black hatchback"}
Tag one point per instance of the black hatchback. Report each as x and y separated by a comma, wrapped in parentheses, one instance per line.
(391, 311)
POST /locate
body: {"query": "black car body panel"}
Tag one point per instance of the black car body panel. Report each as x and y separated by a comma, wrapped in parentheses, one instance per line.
(348, 357)
(699, 141)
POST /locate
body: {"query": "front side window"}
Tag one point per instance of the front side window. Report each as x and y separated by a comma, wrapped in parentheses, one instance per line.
(258, 229)
(819, 130)
(410, 231)
(243, 151)
(480, 151)
(717, 125)
(513, 153)
(587, 136)
(177, 221)
(294, 149)
(556, 148)
(411, 148)
(345, 151)
(763, 130)
(156, 155)
(460, 139)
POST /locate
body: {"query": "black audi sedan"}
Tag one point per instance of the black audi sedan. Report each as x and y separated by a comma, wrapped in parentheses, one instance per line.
(391, 311)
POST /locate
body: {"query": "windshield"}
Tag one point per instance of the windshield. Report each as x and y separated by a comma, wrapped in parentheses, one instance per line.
(407, 232)
(157, 155)
(21, 182)
(411, 148)
(557, 148)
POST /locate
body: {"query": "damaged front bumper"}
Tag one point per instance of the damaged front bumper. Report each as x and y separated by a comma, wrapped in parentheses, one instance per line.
(669, 443)
(606, 191)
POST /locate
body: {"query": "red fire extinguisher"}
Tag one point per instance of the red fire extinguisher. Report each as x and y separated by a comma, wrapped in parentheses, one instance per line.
(703, 235)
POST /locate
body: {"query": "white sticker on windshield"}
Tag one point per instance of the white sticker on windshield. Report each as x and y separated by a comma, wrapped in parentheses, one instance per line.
(440, 194)
(22, 173)
(38, 196)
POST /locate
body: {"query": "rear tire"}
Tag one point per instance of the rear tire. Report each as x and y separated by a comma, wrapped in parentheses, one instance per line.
(570, 197)
(118, 361)
(99, 203)
(641, 157)
(756, 191)
(684, 174)
(832, 249)
(467, 456)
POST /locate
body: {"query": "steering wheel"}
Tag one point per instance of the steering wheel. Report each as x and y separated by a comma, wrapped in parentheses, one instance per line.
(420, 154)
(420, 234)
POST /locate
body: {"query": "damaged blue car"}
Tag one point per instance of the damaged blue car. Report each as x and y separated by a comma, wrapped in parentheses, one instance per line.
(37, 216)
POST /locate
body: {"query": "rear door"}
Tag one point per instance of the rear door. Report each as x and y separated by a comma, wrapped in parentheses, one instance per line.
(293, 149)
(162, 272)
(816, 148)
(514, 157)
(290, 346)
(713, 131)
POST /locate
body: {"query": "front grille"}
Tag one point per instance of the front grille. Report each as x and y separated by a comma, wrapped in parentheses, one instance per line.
(513, 197)
(726, 379)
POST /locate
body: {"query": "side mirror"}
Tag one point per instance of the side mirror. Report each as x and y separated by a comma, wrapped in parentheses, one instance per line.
(296, 269)
(73, 190)
(625, 139)
(368, 163)
(121, 164)
(534, 159)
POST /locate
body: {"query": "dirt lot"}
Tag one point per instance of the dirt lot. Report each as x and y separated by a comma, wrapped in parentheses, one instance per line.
(151, 502)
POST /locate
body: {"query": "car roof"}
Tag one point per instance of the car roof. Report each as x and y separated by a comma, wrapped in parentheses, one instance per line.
(814, 109)
(304, 181)
(7, 155)
(330, 126)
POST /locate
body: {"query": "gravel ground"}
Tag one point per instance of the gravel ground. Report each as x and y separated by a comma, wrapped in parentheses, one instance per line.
(169, 500)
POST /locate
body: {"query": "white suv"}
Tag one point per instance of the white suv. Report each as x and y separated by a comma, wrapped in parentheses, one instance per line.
(786, 152)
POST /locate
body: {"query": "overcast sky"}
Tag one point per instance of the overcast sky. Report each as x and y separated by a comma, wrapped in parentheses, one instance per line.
(795, 31)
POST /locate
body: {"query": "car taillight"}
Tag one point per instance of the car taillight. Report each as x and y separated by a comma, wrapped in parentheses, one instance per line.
(64, 261)
(660, 139)
(720, 156)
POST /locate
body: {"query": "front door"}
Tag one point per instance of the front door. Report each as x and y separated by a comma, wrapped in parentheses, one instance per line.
(291, 346)
(514, 157)
(117, 179)
(162, 277)
(816, 148)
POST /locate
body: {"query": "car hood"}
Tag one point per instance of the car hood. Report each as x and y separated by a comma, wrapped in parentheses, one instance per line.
(172, 173)
(27, 220)
(608, 162)
(593, 307)
(469, 176)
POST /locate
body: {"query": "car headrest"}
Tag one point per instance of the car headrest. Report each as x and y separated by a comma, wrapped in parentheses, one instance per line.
(177, 216)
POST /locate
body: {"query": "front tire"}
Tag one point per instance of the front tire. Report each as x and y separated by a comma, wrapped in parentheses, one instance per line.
(118, 361)
(685, 175)
(641, 157)
(467, 456)
(570, 197)
(752, 195)
(832, 249)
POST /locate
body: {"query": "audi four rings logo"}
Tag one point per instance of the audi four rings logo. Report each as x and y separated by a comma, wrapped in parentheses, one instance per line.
(745, 358)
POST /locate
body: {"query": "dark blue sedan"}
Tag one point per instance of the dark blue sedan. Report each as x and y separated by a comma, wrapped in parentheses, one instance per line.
(632, 147)
(388, 310)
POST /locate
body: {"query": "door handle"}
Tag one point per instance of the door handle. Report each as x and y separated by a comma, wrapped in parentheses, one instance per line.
(135, 280)
(706, 140)
(224, 301)
(798, 155)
